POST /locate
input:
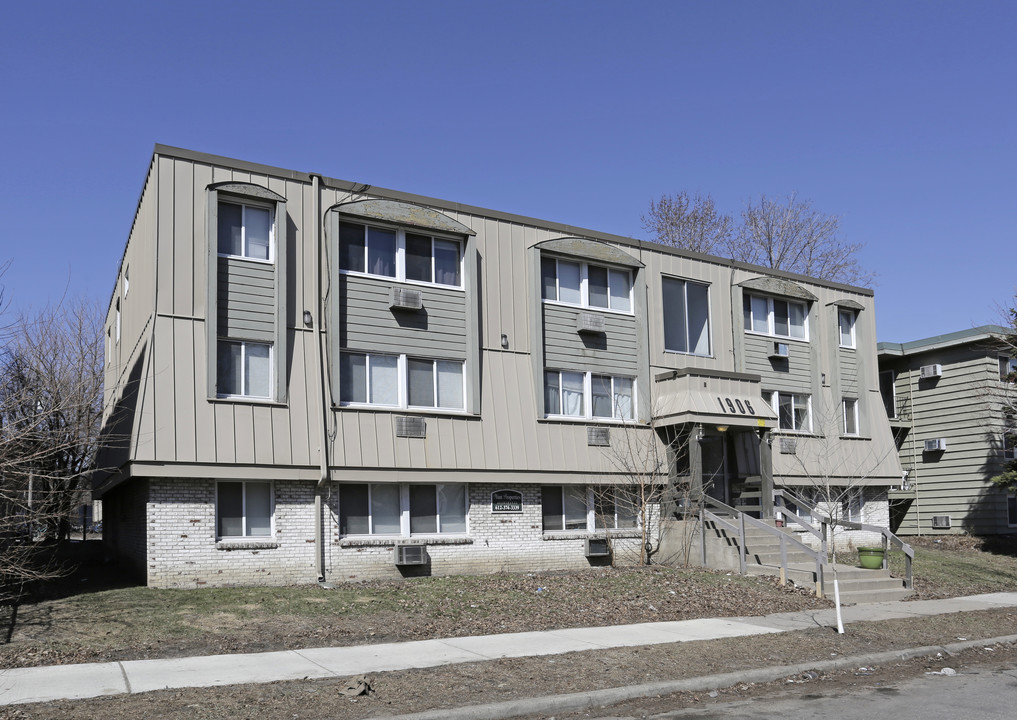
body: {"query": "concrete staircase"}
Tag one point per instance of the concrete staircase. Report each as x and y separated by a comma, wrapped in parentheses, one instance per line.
(762, 557)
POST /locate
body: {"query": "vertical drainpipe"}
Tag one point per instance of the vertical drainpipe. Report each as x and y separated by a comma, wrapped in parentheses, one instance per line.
(319, 528)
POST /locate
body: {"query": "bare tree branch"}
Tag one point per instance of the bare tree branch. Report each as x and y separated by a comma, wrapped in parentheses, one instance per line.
(689, 222)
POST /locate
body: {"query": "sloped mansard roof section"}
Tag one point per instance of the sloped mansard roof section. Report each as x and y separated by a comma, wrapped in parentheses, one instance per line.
(778, 286)
(849, 304)
(985, 333)
(403, 213)
(589, 250)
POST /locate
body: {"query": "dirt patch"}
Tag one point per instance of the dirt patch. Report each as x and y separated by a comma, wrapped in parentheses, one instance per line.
(476, 683)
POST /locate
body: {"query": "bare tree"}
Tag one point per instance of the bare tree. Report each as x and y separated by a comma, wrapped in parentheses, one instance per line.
(689, 222)
(786, 234)
(50, 409)
(791, 235)
(1006, 394)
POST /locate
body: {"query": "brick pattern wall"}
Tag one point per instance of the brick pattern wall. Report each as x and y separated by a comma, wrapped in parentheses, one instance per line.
(876, 511)
(496, 542)
(183, 550)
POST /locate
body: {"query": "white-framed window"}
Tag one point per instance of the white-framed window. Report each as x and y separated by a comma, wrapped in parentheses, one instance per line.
(853, 505)
(850, 413)
(243, 508)
(807, 495)
(776, 317)
(245, 231)
(244, 369)
(403, 509)
(116, 325)
(399, 254)
(588, 508)
(846, 327)
(1009, 438)
(615, 508)
(1007, 366)
(587, 395)
(573, 282)
(888, 392)
(794, 411)
(127, 279)
(686, 316)
(399, 381)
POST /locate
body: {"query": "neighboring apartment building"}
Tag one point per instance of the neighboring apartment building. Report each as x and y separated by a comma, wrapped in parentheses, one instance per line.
(945, 397)
(313, 379)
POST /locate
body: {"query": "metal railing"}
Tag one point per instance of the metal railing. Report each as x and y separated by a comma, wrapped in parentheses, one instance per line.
(736, 524)
(888, 538)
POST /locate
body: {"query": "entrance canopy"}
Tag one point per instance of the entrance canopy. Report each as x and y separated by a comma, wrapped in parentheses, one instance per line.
(711, 397)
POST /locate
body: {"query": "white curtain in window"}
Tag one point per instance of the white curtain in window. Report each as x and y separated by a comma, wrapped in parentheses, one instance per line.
(446, 262)
(384, 380)
(450, 384)
(623, 398)
(575, 508)
(257, 228)
(452, 508)
(569, 283)
(796, 315)
(259, 509)
(552, 394)
(385, 509)
(258, 369)
(620, 283)
(572, 394)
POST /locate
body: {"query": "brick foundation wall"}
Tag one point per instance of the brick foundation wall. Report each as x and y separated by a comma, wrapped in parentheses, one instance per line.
(496, 542)
(182, 550)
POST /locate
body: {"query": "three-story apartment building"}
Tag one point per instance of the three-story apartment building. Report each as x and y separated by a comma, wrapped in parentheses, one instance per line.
(312, 379)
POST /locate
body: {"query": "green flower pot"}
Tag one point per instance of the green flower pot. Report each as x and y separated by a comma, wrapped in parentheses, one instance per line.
(871, 558)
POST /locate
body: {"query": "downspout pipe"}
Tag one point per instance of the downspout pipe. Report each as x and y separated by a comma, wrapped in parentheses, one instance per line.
(319, 526)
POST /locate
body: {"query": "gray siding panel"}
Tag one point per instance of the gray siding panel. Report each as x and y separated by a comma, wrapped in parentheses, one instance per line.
(439, 330)
(246, 299)
(791, 375)
(613, 352)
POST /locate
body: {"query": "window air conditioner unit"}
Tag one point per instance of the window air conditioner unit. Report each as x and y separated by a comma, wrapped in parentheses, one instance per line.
(597, 547)
(788, 446)
(931, 371)
(940, 522)
(409, 554)
(405, 299)
(410, 426)
(780, 350)
(599, 436)
(590, 323)
(935, 445)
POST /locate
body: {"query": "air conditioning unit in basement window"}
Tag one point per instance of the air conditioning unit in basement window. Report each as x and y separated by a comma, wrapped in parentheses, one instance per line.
(940, 522)
(597, 547)
(405, 299)
(409, 554)
(931, 371)
(935, 445)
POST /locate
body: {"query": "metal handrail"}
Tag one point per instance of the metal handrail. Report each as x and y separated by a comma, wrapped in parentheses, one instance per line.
(818, 556)
(888, 537)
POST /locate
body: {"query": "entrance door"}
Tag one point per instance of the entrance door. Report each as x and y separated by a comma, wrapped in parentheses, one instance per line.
(714, 448)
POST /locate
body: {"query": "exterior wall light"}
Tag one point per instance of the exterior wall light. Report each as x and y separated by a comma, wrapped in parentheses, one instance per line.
(308, 319)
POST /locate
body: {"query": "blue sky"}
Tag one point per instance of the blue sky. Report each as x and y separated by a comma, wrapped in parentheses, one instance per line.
(900, 117)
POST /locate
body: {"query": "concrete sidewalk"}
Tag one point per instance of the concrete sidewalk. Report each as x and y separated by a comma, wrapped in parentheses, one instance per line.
(70, 682)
